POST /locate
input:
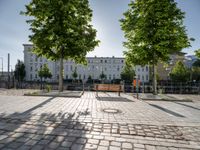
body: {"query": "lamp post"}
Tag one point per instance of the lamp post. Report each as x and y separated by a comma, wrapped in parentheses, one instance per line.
(2, 64)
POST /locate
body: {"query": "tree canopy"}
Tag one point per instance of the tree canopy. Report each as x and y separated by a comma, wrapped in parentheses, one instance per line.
(197, 52)
(128, 73)
(19, 72)
(44, 72)
(74, 74)
(179, 72)
(61, 29)
(153, 30)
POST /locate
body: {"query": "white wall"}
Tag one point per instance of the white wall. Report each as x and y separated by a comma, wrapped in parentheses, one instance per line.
(111, 67)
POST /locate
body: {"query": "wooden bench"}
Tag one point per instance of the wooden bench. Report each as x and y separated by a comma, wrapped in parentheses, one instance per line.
(108, 88)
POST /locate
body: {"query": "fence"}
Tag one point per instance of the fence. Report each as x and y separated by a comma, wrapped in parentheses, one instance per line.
(162, 87)
(168, 87)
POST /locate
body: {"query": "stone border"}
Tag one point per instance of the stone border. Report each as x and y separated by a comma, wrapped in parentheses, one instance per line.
(55, 95)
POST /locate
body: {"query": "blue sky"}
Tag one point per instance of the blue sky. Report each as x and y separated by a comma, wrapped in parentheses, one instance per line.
(106, 14)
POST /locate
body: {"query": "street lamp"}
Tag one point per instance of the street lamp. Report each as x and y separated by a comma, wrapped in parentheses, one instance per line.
(2, 64)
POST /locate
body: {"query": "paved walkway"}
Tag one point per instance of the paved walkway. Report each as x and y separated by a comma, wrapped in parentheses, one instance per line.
(107, 122)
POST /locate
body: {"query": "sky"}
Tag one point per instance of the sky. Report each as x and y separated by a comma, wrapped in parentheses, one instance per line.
(14, 30)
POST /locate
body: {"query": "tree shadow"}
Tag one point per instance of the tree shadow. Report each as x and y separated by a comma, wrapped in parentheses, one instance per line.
(45, 131)
(114, 99)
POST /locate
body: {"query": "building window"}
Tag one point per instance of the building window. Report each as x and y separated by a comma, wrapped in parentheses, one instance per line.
(105, 69)
(36, 76)
(138, 69)
(142, 78)
(101, 61)
(122, 61)
(105, 61)
(113, 76)
(79, 76)
(31, 76)
(138, 77)
(31, 68)
(71, 68)
(109, 76)
(66, 76)
(147, 77)
(142, 69)
(147, 68)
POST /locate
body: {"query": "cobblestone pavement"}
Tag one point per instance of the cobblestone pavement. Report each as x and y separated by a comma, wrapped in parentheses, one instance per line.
(108, 122)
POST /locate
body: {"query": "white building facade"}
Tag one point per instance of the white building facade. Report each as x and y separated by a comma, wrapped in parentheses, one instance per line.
(110, 66)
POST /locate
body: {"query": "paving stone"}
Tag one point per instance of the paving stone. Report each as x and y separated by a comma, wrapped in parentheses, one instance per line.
(57, 123)
(138, 146)
(113, 143)
(104, 143)
(93, 141)
(66, 144)
(37, 147)
(53, 145)
(91, 146)
(127, 145)
(114, 148)
(14, 145)
(77, 147)
(3, 137)
(81, 140)
(102, 148)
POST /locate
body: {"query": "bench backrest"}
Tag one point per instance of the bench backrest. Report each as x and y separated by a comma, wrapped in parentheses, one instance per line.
(108, 87)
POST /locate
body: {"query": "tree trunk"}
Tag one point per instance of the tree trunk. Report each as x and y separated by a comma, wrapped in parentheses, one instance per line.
(154, 80)
(61, 76)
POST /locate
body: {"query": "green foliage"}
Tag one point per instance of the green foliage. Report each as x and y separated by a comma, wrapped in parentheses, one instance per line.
(153, 29)
(128, 73)
(90, 77)
(44, 72)
(197, 52)
(48, 88)
(74, 74)
(196, 63)
(19, 72)
(102, 76)
(61, 28)
(196, 73)
(179, 72)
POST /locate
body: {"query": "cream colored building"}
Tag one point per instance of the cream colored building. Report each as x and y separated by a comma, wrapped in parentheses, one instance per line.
(111, 67)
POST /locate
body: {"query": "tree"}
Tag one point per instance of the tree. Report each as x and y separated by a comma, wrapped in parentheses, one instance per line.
(197, 52)
(153, 29)
(74, 74)
(19, 72)
(44, 72)
(195, 71)
(196, 63)
(89, 80)
(179, 72)
(102, 76)
(128, 73)
(61, 30)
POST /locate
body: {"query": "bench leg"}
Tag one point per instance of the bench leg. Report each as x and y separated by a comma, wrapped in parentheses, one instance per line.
(96, 93)
(119, 93)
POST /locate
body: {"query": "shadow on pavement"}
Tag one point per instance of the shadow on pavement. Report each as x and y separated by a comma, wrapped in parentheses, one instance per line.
(115, 99)
(46, 131)
(187, 106)
(167, 110)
